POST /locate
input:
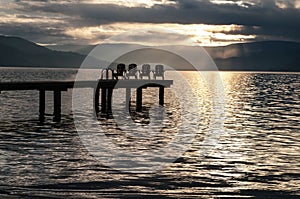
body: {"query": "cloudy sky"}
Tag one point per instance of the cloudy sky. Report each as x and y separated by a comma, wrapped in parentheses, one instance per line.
(205, 22)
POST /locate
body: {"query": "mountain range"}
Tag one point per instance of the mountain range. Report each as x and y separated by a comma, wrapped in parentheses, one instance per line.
(258, 56)
(19, 52)
(255, 56)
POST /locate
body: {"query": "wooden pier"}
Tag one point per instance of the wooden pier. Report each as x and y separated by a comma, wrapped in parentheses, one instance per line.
(105, 87)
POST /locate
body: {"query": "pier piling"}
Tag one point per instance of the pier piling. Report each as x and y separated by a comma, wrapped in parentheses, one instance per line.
(139, 99)
(109, 99)
(128, 96)
(42, 104)
(57, 105)
(161, 95)
(96, 99)
(103, 100)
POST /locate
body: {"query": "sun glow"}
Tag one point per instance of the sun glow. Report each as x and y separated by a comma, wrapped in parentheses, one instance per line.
(133, 3)
(282, 4)
(200, 34)
(239, 3)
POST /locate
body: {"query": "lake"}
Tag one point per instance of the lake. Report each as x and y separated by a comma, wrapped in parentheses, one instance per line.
(253, 151)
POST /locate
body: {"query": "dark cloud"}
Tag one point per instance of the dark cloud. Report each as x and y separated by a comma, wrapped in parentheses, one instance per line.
(184, 12)
(264, 19)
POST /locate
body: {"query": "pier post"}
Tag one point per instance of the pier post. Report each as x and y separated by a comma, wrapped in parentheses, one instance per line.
(139, 99)
(96, 99)
(42, 105)
(109, 99)
(128, 96)
(161, 95)
(57, 105)
(103, 100)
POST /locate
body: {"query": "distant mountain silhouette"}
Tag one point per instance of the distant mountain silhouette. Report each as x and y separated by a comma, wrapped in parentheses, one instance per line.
(16, 51)
(81, 49)
(256, 56)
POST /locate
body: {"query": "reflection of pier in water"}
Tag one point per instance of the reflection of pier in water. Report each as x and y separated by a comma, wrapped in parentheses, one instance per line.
(103, 87)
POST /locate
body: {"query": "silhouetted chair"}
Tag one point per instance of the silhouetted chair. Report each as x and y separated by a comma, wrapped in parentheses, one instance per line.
(145, 71)
(159, 71)
(107, 73)
(120, 71)
(132, 71)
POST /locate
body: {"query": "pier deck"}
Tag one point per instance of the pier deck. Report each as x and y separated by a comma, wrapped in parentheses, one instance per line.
(106, 87)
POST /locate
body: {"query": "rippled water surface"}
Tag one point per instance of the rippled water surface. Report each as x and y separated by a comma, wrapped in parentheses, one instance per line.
(256, 154)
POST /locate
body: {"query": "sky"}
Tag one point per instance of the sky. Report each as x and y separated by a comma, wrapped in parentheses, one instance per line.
(201, 22)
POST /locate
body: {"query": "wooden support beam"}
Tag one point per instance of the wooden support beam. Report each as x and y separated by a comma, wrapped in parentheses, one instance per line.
(103, 100)
(128, 96)
(139, 99)
(161, 95)
(109, 99)
(96, 99)
(57, 105)
(42, 105)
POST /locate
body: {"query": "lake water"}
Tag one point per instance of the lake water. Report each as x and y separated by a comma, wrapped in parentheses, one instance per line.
(257, 153)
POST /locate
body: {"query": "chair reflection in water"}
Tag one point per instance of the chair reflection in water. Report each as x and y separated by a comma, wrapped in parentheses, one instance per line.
(132, 71)
(145, 71)
(159, 71)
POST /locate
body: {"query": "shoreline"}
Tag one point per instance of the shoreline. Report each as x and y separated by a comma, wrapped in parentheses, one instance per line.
(76, 69)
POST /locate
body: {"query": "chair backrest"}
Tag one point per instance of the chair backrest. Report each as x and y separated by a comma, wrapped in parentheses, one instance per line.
(106, 73)
(132, 69)
(120, 69)
(159, 70)
(146, 69)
